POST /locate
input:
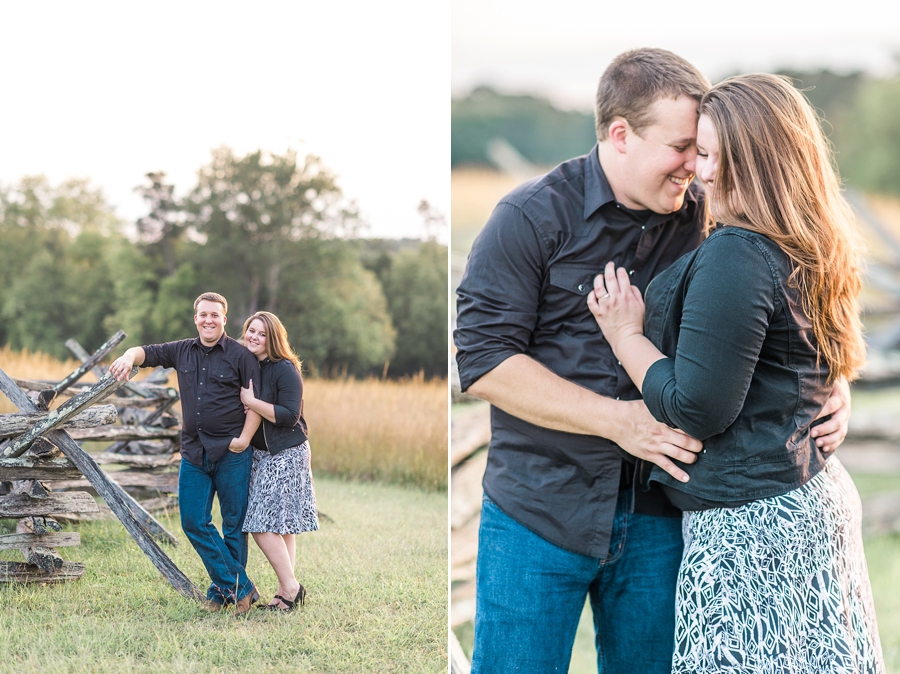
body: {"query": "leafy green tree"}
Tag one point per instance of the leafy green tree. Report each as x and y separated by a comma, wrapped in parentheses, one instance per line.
(161, 230)
(335, 310)
(55, 283)
(250, 210)
(417, 299)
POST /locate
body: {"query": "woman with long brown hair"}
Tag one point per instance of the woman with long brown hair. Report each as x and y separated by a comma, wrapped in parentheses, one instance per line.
(744, 338)
(282, 498)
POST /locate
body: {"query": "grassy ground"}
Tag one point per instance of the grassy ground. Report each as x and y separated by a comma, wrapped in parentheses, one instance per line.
(376, 576)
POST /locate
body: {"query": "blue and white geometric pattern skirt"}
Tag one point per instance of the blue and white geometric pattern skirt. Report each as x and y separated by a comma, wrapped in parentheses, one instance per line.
(282, 496)
(778, 586)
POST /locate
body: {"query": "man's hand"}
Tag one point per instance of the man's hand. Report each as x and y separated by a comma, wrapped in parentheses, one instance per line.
(237, 445)
(121, 367)
(647, 439)
(831, 433)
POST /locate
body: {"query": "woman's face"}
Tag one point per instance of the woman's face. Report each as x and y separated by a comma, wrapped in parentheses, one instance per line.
(707, 152)
(255, 338)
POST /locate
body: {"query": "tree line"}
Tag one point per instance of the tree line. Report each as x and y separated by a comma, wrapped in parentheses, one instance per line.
(859, 114)
(268, 231)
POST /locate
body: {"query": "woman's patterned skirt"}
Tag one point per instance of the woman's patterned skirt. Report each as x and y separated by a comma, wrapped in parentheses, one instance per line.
(778, 586)
(282, 497)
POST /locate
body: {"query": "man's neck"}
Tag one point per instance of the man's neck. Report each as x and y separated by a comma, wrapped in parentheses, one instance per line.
(607, 156)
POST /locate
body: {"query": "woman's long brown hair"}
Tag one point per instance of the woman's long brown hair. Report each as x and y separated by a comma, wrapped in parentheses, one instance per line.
(776, 176)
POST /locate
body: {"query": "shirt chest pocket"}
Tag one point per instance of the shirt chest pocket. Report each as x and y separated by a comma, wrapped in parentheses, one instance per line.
(187, 378)
(223, 376)
(565, 301)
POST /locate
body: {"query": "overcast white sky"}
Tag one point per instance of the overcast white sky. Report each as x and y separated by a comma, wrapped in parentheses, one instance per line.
(113, 90)
(561, 48)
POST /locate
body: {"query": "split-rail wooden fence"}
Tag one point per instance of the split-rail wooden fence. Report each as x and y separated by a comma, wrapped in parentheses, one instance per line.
(41, 462)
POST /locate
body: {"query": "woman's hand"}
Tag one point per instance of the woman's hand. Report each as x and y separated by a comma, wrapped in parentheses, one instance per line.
(617, 305)
(247, 396)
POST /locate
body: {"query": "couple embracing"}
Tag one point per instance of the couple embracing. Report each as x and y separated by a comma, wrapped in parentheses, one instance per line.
(243, 439)
(668, 369)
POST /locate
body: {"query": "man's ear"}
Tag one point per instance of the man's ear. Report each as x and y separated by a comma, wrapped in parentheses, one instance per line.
(618, 133)
(224, 319)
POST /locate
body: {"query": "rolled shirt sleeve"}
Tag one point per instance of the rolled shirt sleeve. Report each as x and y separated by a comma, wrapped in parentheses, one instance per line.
(498, 298)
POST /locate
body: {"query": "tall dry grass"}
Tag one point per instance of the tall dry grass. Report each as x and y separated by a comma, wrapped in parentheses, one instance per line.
(28, 365)
(389, 431)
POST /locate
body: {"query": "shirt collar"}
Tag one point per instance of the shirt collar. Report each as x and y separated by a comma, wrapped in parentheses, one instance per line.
(597, 191)
(220, 343)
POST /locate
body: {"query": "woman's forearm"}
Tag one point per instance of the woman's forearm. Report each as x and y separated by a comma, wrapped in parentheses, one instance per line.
(263, 409)
(637, 354)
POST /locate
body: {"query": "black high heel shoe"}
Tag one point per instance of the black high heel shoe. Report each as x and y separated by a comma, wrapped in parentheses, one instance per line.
(299, 600)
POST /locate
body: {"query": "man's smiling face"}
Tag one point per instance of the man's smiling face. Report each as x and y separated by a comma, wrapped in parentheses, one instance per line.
(659, 163)
(210, 321)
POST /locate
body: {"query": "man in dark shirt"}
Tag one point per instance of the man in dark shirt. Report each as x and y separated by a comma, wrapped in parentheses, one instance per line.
(215, 433)
(567, 423)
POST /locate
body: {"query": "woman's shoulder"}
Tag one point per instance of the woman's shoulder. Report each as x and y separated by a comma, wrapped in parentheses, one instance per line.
(284, 368)
(728, 244)
(740, 258)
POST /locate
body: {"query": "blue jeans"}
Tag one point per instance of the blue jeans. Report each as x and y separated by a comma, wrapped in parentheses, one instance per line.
(225, 555)
(530, 595)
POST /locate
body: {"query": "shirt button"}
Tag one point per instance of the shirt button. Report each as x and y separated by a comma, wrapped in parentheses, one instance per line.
(618, 362)
(643, 227)
(581, 286)
(630, 272)
(617, 397)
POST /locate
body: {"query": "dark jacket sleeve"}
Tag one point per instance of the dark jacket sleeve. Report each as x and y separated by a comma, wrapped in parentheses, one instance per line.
(288, 394)
(728, 305)
(497, 300)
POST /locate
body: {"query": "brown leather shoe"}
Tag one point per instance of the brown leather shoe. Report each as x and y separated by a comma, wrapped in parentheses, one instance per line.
(210, 606)
(242, 606)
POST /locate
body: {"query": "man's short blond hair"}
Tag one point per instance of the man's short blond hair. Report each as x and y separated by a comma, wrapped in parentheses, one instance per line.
(212, 297)
(635, 80)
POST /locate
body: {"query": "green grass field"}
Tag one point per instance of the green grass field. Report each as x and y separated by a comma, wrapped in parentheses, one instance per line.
(376, 573)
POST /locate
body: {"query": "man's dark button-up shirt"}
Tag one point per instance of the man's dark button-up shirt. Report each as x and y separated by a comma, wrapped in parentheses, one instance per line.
(525, 291)
(210, 381)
